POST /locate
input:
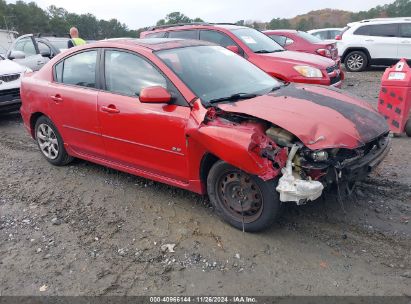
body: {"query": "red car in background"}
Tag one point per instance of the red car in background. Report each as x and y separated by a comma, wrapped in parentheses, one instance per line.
(197, 116)
(260, 50)
(300, 41)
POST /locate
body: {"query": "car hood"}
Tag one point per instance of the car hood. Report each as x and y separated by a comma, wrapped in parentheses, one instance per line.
(300, 58)
(320, 117)
(10, 67)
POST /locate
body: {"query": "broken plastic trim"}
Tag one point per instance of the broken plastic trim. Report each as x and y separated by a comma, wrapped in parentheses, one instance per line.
(294, 189)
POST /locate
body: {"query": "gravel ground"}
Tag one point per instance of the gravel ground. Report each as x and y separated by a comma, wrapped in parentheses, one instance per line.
(87, 230)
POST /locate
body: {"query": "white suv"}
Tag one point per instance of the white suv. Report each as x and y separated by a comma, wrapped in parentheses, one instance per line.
(380, 41)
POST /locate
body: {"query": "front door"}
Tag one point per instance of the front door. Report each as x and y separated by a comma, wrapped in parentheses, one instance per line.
(148, 137)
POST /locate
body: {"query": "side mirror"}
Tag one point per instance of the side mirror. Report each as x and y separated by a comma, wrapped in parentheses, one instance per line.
(233, 48)
(45, 54)
(156, 94)
(17, 55)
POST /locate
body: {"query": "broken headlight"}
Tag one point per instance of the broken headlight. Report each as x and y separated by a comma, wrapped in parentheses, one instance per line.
(319, 156)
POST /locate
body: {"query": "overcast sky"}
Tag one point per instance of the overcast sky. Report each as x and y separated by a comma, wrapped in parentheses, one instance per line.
(140, 13)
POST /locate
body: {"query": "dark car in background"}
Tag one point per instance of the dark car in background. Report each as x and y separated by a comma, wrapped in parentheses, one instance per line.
(300, 41)
(260, 50)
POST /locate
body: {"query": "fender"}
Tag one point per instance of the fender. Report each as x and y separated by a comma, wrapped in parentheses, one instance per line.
(244, 146)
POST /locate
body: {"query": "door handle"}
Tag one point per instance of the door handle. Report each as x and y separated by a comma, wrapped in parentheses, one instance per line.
(57, 98)
(110, 109)
(40, 62)
(369, 40)
(405, 41)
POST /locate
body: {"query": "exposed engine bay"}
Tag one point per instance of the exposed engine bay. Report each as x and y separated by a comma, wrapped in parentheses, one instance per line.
(304, 173)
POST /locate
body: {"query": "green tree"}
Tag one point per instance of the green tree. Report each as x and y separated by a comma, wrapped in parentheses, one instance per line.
(303, 25)
(278, 23)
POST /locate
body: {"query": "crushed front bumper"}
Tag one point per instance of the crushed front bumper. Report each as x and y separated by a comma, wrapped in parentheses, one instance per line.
(360, 169)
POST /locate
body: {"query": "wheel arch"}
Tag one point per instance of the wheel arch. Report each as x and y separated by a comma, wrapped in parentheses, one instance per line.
(207, 162)
(33, 119)
(353, 49)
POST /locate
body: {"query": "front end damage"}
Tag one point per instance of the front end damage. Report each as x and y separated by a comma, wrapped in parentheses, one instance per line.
(261, 148)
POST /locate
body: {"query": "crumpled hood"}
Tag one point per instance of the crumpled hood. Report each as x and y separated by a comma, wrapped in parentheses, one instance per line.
(300, 58)
(10, 67)
(320, 117)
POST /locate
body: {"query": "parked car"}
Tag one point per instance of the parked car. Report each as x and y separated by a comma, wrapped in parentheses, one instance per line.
(381, 41)
(31, 51)
(300, 41)
(260, 50)
(195, 115)
(6, 39)
(10, 78)
(326, 33)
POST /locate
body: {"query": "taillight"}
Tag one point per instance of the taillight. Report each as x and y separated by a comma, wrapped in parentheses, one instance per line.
(324, 52)
(338, 37)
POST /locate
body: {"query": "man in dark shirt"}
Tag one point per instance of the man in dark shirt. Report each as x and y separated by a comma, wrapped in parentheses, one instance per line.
(75, 40)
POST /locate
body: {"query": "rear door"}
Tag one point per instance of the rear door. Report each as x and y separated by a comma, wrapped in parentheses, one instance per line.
(28, 45)
(404, 47)
(73, 103)
(381, 40)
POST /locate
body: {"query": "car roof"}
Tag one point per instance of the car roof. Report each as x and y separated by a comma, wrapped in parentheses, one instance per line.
(282, 31)
(326, 29)
(165, 28)
(154, 44)
(381, 21)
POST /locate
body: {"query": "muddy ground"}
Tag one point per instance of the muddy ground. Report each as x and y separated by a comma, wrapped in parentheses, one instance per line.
(88, 230)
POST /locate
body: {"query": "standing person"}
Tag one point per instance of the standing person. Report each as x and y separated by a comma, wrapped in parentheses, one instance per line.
(75, 39)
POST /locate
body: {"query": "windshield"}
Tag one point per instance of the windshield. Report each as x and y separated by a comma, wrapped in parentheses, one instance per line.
(309, 37)
(257, 41)
(213, 72)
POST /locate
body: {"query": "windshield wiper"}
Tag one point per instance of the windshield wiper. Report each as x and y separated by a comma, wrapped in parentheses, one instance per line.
(234, 97)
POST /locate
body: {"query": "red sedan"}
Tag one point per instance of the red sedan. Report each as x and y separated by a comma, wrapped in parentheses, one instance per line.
(260, 50)
(304, 42)
(199, 117)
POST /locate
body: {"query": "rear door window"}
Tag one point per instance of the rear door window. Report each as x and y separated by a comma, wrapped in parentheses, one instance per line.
(279, 39)
(79, 69)
(156, 35)
(217, 38)
(378, 30)
(405, 30)
(193, 34)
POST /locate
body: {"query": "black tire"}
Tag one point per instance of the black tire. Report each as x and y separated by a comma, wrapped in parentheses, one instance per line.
(58, 158)
(270, 200)
(408, 128)
(356, 61)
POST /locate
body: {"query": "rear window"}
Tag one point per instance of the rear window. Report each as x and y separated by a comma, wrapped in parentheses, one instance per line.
(308, 37)
(156, 35)
(183, 34)
(381, 30)
(279, 39)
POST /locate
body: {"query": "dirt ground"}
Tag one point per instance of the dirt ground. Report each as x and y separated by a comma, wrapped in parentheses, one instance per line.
(88, 230)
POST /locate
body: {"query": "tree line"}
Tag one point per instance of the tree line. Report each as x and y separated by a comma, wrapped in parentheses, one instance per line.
(29, 18)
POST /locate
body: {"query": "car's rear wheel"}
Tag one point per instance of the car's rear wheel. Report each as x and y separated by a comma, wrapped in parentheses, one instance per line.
(408, 128)
(356, 61)
(245, 201)
(50, 142)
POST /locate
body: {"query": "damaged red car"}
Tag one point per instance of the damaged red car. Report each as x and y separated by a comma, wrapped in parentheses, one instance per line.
(197, 116)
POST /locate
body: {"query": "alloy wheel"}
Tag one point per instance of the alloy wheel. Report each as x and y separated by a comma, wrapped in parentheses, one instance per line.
(355, 62)
(47, 140)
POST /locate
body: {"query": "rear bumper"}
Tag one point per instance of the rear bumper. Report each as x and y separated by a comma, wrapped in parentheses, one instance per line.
(11, 105)
(361, 168)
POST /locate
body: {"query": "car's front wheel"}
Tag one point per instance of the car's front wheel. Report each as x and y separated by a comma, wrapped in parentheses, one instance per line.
(50, 142)
(356, 61)
(245, 201)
